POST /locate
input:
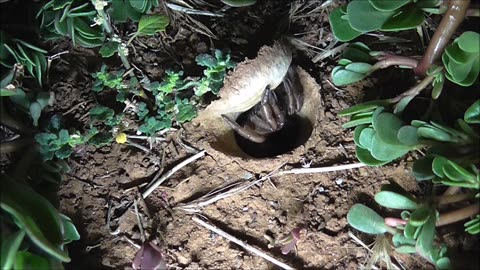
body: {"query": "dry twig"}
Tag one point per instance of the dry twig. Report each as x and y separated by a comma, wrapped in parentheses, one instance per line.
(241, 243)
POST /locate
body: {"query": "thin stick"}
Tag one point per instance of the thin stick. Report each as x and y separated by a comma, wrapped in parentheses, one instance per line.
(139, 221)
(321, 169)
(155, 183)
(236, 188)
(242, 244)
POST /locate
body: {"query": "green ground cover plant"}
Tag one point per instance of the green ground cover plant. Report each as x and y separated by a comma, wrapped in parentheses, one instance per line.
(382, 134)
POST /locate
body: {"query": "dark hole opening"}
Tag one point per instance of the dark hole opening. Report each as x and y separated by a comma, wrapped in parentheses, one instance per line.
(296, 132)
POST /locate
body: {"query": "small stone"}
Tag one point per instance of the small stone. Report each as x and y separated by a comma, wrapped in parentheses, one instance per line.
(339, 181)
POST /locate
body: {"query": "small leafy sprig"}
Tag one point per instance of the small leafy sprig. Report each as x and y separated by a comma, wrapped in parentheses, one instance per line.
(74, 19)
(14, 50)
(105, 80)
(216, 68)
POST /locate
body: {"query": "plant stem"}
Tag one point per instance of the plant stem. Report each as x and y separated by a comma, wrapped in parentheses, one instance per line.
(448, 199)
(457, 215)
(414, 90)
(450, 22)
(451, 191)
(388, 60)
(14, 146)
(7, 120)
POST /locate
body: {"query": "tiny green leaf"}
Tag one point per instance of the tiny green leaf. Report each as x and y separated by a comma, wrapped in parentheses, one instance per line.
(419, 216)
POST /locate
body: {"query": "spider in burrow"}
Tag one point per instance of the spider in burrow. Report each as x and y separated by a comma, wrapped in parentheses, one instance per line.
(269, 115)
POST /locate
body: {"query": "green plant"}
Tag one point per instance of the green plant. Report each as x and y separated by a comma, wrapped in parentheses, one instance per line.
(462, 59)
(150, 24)
(109, 125)
(122, 10)
(34, 233)
(215, 71)
(75, 19)
(360, 17)
(31, 102)
(16, 51)
(415, 231)
(116, 81)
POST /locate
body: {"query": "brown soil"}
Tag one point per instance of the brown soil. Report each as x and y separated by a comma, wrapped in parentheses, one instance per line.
(101, 178)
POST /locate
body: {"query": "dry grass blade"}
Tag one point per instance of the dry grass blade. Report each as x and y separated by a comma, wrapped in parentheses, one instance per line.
(381, 251)
(193, 11)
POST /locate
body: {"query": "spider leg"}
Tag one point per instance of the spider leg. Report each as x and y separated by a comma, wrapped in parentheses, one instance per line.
(245, 132)
(279, 114)
(294, 98)
(261, 125)
(266, 109)
(291, 106)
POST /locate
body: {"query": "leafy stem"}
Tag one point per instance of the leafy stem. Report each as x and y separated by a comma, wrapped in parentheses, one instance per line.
(415, 90)
(450, 21)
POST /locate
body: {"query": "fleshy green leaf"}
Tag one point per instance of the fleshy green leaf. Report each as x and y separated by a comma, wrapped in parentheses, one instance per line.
(366, 220)
(406, 19)
(366, 157)
(364, 17)
(395, 200)
(239, 3)
(422, 169)
(387, 125)
(341, 27)
(469, 41)
(419, 216)
(388, 5)
(407, 135)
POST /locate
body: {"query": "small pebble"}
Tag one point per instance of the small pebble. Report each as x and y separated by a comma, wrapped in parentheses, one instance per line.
(339, 181)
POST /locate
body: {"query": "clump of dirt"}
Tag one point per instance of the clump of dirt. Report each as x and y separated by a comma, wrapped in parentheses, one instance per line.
(103, 181)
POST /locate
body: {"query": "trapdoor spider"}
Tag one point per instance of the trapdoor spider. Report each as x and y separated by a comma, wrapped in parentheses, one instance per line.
(269, 115)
